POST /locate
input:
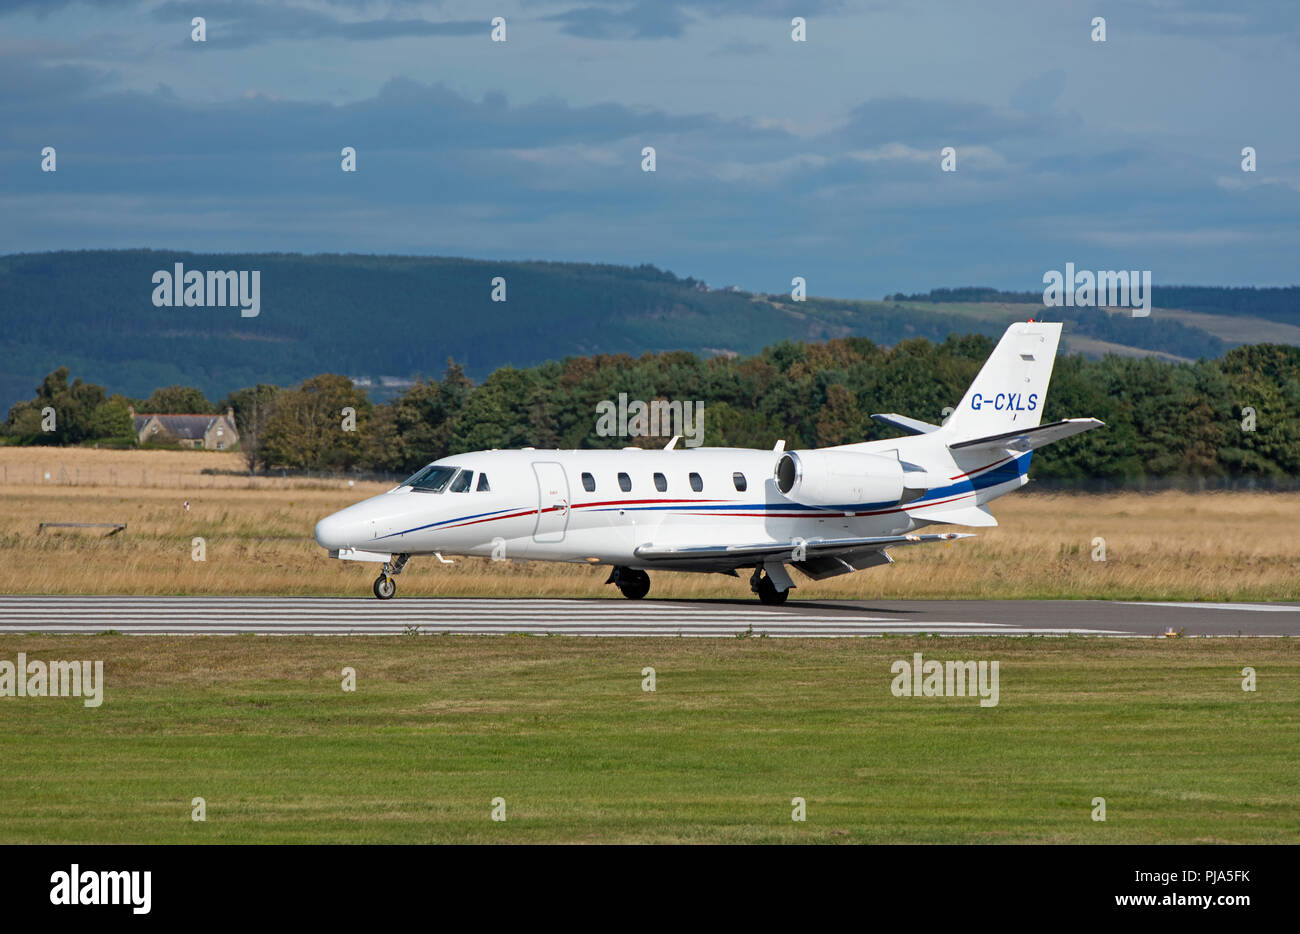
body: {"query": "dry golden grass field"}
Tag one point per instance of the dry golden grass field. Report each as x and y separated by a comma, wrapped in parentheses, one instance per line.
(1206, 546)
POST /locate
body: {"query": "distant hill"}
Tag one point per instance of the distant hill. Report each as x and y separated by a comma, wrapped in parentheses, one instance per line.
(398, 317)
(1274, 304)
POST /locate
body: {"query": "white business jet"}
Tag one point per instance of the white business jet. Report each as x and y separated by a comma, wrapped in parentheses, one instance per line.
(826, 512)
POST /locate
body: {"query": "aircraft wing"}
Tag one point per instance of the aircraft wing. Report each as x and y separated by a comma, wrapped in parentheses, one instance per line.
(742, 554)
(1029, 438)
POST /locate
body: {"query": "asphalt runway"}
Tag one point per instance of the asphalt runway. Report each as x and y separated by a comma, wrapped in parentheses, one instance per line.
(616, 617)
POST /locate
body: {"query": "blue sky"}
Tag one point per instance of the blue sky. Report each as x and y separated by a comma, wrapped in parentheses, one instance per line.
(775, 158)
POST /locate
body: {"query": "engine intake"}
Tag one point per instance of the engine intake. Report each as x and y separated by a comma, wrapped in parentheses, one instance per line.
(839, 478)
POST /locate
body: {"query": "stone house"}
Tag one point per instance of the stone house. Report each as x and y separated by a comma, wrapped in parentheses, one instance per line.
(211, 432)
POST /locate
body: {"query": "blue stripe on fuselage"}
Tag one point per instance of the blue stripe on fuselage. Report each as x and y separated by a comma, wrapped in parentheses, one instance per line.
(1004, 473)
(434, 525)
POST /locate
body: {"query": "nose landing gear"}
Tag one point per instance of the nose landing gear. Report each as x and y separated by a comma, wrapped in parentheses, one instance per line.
(385, 587)
(632, 582)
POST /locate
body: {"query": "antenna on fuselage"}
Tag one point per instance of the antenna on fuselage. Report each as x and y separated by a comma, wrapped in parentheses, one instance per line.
(780, 445)
(673, 443)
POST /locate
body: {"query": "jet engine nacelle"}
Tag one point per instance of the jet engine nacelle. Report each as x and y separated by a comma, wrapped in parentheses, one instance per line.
(839, 478)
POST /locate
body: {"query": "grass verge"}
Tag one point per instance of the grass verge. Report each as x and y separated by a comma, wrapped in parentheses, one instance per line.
(561, 729)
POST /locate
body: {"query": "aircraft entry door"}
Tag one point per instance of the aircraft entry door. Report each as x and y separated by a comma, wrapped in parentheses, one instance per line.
(552, 502)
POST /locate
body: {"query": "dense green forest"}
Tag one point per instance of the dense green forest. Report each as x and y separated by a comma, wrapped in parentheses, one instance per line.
(1238, 416)
(401, 316)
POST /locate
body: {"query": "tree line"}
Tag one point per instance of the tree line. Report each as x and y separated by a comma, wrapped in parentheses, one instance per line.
(1237, 416)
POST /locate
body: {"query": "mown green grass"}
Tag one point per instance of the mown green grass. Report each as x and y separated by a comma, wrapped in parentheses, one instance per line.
(560, 728)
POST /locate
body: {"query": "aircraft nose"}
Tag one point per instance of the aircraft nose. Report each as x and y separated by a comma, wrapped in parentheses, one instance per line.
(332, 533)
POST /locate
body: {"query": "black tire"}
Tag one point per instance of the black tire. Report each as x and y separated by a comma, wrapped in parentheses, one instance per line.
(385, 587)
(768, 594)
(633, 583)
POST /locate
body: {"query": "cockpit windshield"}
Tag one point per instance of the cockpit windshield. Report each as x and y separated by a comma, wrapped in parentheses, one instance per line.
(432, 479)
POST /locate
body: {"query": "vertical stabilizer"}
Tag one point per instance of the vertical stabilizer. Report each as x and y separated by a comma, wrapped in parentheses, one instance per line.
(1011, 388)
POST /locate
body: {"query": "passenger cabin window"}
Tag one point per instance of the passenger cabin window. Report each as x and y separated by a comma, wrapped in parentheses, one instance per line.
(625, 483)
(483, 484)
(696, 483)
(589, 483)
(462, 482)
(431, 479)
(738, 478)
(661, 483)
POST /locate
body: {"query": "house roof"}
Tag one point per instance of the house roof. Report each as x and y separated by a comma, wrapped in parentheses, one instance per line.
(186, 427)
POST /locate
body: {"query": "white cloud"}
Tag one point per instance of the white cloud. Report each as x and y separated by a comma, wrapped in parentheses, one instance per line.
(765, 173)
(979, 156)
(575, 154)
(1246, 182)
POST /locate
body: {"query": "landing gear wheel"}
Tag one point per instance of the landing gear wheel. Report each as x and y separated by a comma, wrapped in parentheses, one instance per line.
(767, 592)
(385, 586)
(633, 583)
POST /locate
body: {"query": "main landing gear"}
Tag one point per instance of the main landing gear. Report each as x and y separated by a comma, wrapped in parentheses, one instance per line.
(385, 586)
(762, 585)
(632, 582)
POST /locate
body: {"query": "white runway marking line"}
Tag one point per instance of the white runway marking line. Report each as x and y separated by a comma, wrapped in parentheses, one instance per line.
(593, 630)
(385, 614)
(1254, 607)
(285, 616)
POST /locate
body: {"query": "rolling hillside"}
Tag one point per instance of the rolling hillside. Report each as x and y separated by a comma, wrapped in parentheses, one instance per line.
(395, 316)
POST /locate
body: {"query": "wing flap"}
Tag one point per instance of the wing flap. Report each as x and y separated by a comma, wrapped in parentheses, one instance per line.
(824, 566)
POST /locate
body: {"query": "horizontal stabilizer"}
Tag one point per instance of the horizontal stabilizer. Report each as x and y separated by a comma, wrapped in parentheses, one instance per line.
(978, 516)
(913, 426)
(1029, 438)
